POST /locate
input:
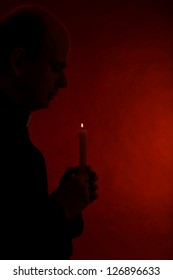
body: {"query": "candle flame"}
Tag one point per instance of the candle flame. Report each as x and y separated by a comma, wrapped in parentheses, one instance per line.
(82, 126)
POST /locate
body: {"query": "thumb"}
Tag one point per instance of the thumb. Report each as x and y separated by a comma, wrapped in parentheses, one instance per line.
(69, 173)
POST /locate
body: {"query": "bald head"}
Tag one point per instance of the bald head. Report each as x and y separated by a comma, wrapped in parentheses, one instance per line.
(33, 54)
(30, 27)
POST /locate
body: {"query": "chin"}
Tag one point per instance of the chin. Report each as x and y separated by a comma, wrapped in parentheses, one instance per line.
(40, 106)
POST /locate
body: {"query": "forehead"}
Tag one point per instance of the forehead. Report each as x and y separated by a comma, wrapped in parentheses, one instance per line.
(57, 42)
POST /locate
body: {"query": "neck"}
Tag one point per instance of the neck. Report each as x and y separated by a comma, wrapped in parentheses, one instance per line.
(7, 85)
(13, 113)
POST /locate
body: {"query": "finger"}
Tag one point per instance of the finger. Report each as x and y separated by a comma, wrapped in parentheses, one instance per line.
(71, 170)
(88, 168)
(94, 196)
(93, 176)
(93, 186)
(69, 173)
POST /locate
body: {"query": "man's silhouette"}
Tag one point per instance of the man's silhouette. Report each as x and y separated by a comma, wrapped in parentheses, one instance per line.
(34, 47)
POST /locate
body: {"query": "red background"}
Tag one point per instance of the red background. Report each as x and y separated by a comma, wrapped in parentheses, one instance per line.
(120, 77)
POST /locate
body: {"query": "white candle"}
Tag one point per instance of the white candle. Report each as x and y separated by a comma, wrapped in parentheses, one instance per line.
(82, 147)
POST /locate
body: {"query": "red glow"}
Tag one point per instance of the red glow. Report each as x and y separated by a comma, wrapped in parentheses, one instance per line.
(120, 76)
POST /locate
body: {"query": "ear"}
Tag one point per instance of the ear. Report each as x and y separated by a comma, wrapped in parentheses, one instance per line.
(17, 60)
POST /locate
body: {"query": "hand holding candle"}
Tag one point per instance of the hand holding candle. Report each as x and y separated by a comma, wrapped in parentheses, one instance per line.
(78, 186)
(82, 148)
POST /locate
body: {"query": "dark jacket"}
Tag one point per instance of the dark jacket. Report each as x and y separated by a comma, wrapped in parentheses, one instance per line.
(32, 226)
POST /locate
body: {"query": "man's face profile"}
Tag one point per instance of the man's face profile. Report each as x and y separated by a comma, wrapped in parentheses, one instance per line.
(38, 82)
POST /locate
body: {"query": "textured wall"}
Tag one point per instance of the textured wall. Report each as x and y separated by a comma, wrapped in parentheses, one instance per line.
(120, 85)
